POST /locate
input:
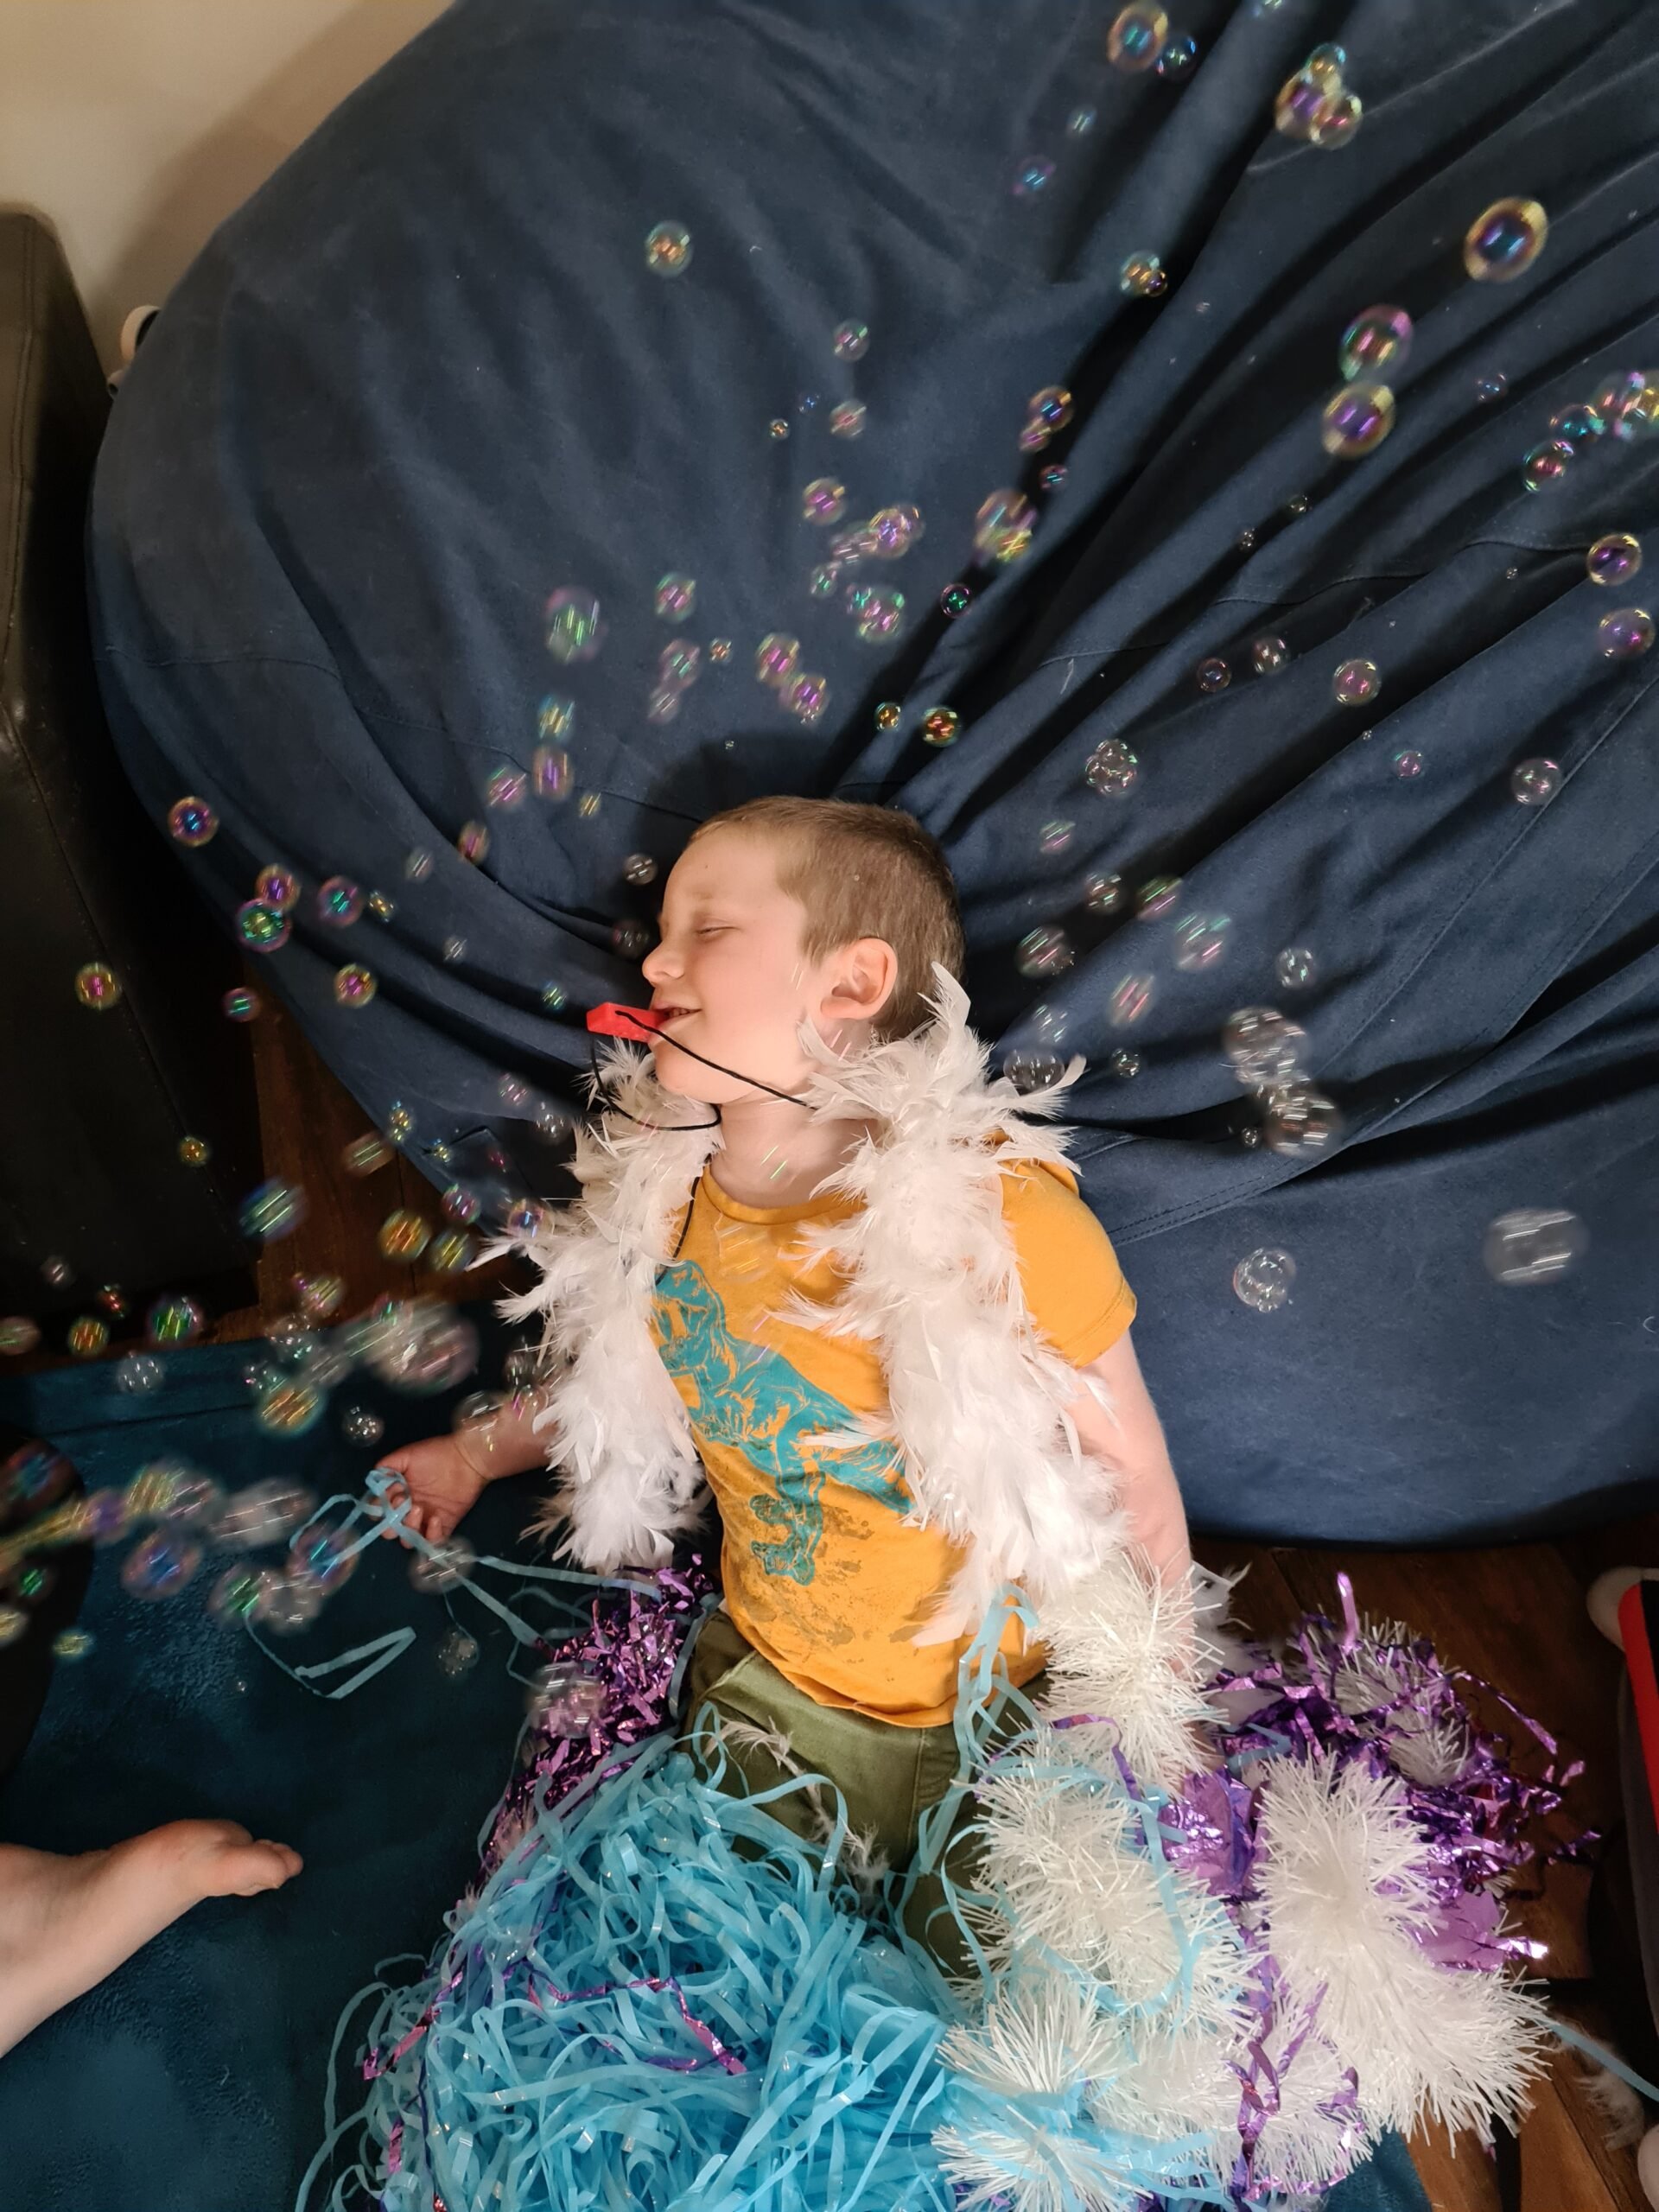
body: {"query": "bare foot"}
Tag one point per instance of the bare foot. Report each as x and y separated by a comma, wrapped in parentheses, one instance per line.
(66, 1922)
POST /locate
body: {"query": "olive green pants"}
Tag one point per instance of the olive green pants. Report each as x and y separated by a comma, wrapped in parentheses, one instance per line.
(888, 1775)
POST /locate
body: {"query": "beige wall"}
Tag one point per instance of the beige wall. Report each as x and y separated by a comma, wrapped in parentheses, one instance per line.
(135, 126)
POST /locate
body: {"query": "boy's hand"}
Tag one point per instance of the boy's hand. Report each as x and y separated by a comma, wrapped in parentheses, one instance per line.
(442, 1483)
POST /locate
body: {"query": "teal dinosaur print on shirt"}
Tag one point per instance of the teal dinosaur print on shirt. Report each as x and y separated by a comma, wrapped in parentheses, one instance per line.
(751, 1398)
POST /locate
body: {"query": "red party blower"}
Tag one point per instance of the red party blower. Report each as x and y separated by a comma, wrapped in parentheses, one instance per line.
(614, 1020)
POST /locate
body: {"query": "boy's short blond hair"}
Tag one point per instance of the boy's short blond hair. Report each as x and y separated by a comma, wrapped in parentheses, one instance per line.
(862, 871)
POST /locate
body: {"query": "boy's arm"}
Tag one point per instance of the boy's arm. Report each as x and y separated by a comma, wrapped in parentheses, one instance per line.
(1129, 1441)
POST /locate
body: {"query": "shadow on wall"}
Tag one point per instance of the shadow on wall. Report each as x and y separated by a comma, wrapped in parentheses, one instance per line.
(150, 240)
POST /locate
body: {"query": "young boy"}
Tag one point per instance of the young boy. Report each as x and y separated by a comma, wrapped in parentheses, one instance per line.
(782, 910)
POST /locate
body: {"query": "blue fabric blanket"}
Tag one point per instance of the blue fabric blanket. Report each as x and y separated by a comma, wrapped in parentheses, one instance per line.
(426, 377)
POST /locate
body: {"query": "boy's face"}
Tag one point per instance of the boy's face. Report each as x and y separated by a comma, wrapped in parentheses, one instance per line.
(731, 954)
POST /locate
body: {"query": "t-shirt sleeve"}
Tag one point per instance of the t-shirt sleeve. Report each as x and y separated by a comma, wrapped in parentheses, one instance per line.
(1074, 1287)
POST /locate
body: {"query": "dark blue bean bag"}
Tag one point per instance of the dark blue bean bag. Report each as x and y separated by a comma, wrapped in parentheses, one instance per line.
(428, 377)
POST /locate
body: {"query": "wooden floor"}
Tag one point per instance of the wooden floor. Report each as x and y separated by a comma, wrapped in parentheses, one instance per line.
(1514, 1616)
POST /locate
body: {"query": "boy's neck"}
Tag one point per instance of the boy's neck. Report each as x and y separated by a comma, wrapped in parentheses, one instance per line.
(770, 1154)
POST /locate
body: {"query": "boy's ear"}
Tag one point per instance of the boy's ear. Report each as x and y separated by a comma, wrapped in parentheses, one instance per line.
(866, 975)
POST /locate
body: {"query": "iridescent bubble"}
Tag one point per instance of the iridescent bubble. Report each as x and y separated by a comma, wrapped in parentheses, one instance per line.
(417, 866)
(846, 420)
(58, 1272)
(1031, 175)
(14, 1625)
(778, 428)
(1111, 769)
(1129, 1001)
(888, 714)
(1301, 106)
(275, 1209)
(1156, 896)
(98, 986)
(1102, 894)
(192, 821)
(318, 1295)
(1297, 504)
(504, 788)
(1055, 836)
(404, 1236)
(1491, 387)
(1142, 277)
(662, 706)
(807, 404)
(954, 600)
(1050, 408)
(807, 695)
(1533, 1244)
(720, 650)
(363, 1155)
(1136, 38)
(1299, 1119)
(1003, 526)
(110, 1296)
(138, 1374)
(549, 773)
(1506, 240)
(87, 1336)
(360, 1426)
(1326, 65)
(1124, 1063)
(1212, 675)
(1377, 340)
(261, 928)
(676, 597)
(1264, 1048)
(1576, 425)
(1338, 121)
(445, 1568)
(243, 1593)
(1546, 464)
(575, 629)
(1052, 478)
(1200, 941)
(456, 1652)
(851, 341)
(473, 842)
(354, 984)
(668, 248)
(1269, 656)
(18, 1334)
(1409, 764)
(1356, 420)
(160, 1564)
(451, 1252)
(321, 1559)
(1625, 634)
(174, 1320)
(941, 726)
(895, 530)
(400, 1122)
(1296, 967)
(1637, 413)
(339, 901)
(882, 616)
(824, 500)
(824, 580)
(1614, 559)
(1356, 683)
(1044, 952)
(1081, 122)
(278, 887)
(556, 719)
(1535, 783)
(1262, 1279)
(1178, 58)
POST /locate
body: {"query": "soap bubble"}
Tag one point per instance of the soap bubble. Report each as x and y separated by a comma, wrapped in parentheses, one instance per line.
(14, 1625)
(1124, 1063)
(262, 928)
(243, 1593)
(404, 1236)
(174, 1320)
(18, 1334)
(288, 1407)
(847, 419)
(1003, 526)
(504, 788)
(1409, 764)
(1102, 894)
(954, 600)
(419, 1345)
(1301, 107)
(1326, 65)
(1636, 415)
(1044, 952)
(1614, 559)
(807, 695)
(1262, 1279)
(192, 821)
(262, 1513)
(359, 1425)
(1299, 1119)
(1488, 388)
(340, 901)
(851, 341)
(1535, 783)
(1533, 1245)
(1264, 1048)
(473, 842)
(275, 1209)
(319, 1559)
(98, 986)
(1336, 123)
(1129, 1001)
(1136, 38)
(1356, 420)
(451, 1252)
(1111, 769)
(160, 1564)
(1143, 276)
(1295, 967)
(564, 1699)
(676, 597)
(355, 985)
(1050, 408)
(57, 1271)
(457, 1652)
(1178, 57)
(1546, 464)
(1376, 341)
(824, 500)
(895, 530)
(363, 1155)
(941, 726)
(1081, 122)
(1052, 478)
(138, 1374)
(1031, 175)
(1506, 240)
(417, 865)
(1356, 683)
(668, 248)
(880, 615)
(1156, 897)
(1626, 633)
(194, 1152)
(444, 1568)
(87, 1337)
(575, 629)
(776, 659)
(1577, 424)
(1200, 941)
(1212, 675)
(1269, 656)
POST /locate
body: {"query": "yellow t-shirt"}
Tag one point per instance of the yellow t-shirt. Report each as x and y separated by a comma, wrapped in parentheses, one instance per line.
(820, 1574)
